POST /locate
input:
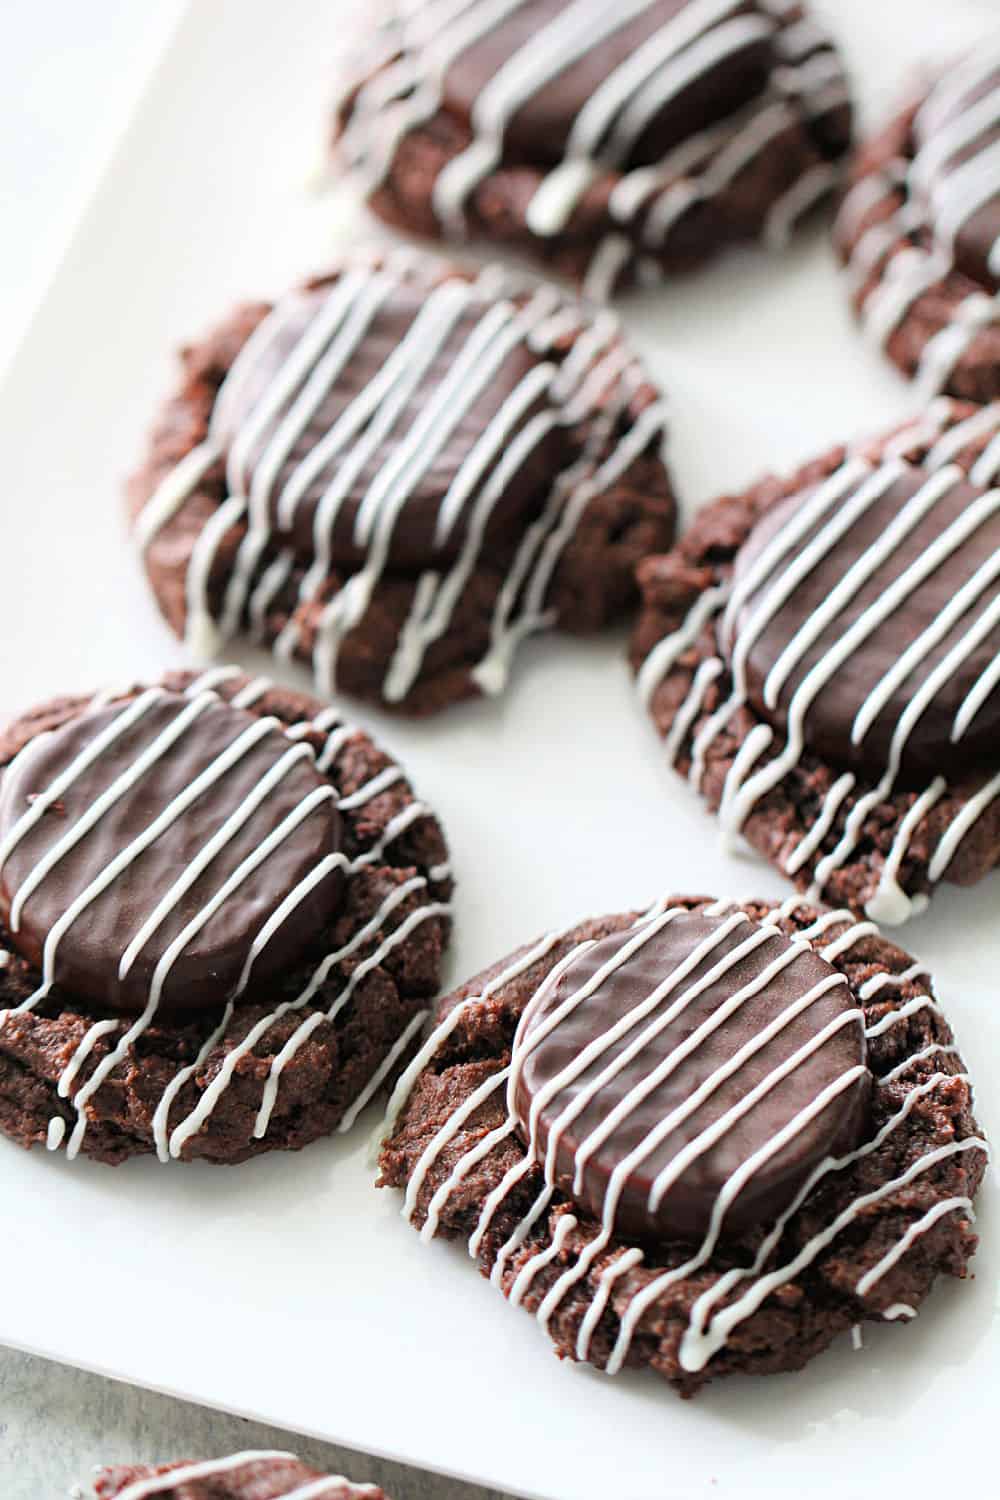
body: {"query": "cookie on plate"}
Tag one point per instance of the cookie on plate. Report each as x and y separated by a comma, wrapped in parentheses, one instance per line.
(919, 232)
(614, 142)
(706, 1139)
(821, 655)
(222, 915)
(398, 472)
(243, 1476)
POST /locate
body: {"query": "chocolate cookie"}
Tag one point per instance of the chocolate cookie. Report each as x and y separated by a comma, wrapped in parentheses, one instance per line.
(398, 472)
(919, 232)
(244, 1476)
(222, 914)
(822, 657)
(614, 142)
(706, 1139)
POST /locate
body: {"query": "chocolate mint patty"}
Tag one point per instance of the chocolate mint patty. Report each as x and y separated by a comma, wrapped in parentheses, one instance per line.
(616, 143)
(398, 472)
(222, 914)
(708, 1138)
(822, 657)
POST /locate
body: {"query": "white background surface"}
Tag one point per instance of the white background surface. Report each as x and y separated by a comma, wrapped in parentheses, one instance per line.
(70, 76)
(288, 1289)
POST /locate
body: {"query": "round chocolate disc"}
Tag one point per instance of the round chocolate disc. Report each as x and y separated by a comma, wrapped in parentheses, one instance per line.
(668, 1057)
(879, 626)
(957, 169)
(354, 394)
(137, 853)
(708, 69)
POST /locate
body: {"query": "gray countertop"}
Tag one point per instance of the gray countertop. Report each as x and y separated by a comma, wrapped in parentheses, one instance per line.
(58, 1424)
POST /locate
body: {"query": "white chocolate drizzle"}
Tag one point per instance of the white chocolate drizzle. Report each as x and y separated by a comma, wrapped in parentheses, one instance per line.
(198, 696)
(918, 1228)
(782, 564)
(709, 1324)
(327, 1488)
(915, 244)
(593, 384)
(807, 83)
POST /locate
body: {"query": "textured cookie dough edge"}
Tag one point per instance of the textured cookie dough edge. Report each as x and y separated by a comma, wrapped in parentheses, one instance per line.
(261, 1475)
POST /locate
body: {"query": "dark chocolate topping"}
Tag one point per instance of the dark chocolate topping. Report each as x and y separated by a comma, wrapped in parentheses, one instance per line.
(391, 435)
(965, 175)
(927, 746)
(540, 128)
(687, 1204)
(207, 968)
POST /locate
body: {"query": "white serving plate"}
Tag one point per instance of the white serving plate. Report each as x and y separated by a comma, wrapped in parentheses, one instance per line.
(289, 1290)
